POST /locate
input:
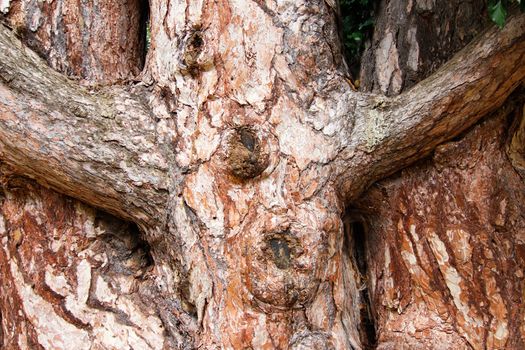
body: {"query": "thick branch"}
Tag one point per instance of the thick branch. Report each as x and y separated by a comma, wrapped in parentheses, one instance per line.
(100, 147)
(391, 133)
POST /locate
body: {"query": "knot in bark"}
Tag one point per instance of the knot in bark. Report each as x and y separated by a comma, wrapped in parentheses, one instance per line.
(282, 249)
(280, 273)
(246, 159)
(193, 49)
(194, 57)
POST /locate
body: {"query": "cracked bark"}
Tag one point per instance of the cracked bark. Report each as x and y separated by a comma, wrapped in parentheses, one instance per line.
(241, 259)
(99, 146)
(438, 274)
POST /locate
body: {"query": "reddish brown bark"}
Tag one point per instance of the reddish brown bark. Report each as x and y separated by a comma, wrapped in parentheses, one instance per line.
(234, 154)
(413, 39)
(101, 41)
(82, 271)
(445, 248)
(442, 237)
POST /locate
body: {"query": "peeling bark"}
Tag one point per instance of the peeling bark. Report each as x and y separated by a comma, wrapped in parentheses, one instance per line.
(415, 38)
(442, 236)
(100, 41)
(455, 274)
(71, 276)
(235, 154)
(393, 132)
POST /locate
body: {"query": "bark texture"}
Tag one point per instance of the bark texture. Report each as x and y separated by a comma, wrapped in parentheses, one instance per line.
(442, 237)
(72, 276)
(234, 152)
(390, 133)
(414, 38)
(445, 247)
(101, 146)
(101, 41)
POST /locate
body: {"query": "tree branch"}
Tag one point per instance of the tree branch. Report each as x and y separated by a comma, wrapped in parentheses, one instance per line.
(391, 133)
(100, 147)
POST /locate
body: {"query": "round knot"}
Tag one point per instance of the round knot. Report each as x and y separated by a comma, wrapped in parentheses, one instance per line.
(245, 157)
(279, 271)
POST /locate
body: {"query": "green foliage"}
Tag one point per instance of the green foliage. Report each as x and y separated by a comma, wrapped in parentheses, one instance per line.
(498, 13)
(148, 35)
(498, 10)
(357, 17)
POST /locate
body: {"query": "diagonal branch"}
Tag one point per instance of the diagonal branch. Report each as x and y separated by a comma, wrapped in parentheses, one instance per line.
(391, 133)
(100, 147)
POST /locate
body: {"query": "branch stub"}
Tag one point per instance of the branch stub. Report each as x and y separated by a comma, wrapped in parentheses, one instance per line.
(246, 158)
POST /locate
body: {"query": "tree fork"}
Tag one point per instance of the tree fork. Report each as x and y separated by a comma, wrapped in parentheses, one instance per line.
(253, 256)
(99, 146)
(382, 125)
(391, 133)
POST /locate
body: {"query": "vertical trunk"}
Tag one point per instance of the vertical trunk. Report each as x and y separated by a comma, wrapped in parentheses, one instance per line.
(443, 238)
(72, 276)
(447, 264)
(412, 38)
(101, 41)
(267, 271)
(251, 110)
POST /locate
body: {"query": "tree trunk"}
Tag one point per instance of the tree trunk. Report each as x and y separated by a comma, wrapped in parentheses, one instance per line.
(442, 237)
(228, 163)
(412, 39)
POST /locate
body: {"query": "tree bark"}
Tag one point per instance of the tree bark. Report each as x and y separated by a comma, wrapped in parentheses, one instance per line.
(99, 146)
(445, 259)
(100, 41)
(442, 237)
(234, 151)
(414, 38)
